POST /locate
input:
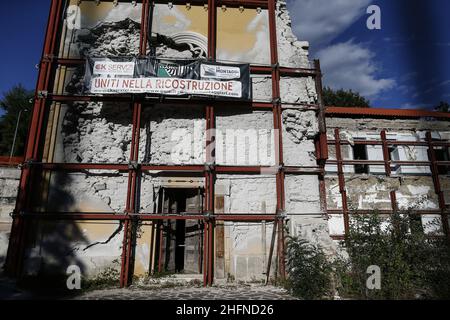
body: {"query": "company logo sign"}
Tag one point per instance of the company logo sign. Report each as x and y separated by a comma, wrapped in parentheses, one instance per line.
(167, 70)
(219, 72)
(113, 69)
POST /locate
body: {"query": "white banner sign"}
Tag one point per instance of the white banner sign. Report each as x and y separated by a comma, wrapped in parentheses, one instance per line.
(113, 69)
(169, 86)
(219, 72)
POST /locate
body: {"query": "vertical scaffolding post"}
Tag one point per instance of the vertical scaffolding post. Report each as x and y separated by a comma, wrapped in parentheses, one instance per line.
(277, 117)
(322, 143)
(133, 172)
(437, 184)
(387, 160)
(387, 169)
(17, 242)
(208, 250)
(341, 179)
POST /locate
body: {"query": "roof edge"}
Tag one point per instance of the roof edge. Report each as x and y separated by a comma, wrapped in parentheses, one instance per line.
(388, 113)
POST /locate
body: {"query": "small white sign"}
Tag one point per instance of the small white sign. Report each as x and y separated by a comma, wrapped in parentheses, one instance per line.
(113, 69)
(219, 72)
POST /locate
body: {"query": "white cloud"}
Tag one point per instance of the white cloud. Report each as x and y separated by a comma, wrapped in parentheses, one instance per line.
(349, 65)
(416, 106)
(320, 21)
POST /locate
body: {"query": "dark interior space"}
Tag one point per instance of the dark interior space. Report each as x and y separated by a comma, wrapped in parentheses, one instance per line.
(360, 153)
(180, 240)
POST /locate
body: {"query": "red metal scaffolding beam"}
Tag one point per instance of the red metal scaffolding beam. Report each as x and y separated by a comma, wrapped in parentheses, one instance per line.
(277, 117)
(133, 176)
(18, 236)
(433, 163)
(33, 163)
(391, 113)
(437, 184)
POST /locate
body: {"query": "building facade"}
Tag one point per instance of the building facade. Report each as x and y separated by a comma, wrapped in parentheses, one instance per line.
(149, 183)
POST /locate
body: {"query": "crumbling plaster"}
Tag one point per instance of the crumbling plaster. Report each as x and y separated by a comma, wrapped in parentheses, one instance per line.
(101, 132)
(9, 183)
(413, 184)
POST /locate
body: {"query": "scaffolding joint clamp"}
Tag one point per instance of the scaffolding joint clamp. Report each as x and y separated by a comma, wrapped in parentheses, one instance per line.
(281, 214)
(210, 167)
(49, 57)
(42, 94)
(209, 215)
(276, 101)
(14, 213)
(275, 65)
(133, 165)
(28, 163)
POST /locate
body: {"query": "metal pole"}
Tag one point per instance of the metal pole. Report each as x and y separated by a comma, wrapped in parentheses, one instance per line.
(15, 134)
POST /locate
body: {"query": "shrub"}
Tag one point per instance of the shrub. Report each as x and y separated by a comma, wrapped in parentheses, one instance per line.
(108, 278)
(412, 265)
(309, 270)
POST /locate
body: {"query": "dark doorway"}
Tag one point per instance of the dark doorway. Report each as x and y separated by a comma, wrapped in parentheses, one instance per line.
(360, 153)
(180, 244)
(442, 155)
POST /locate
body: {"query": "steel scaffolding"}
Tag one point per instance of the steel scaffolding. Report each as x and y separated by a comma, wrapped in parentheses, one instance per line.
(34, 164)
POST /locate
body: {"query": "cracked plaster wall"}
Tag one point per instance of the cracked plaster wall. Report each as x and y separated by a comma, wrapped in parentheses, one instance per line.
(101, 132)
(413, 185)
(9, 183)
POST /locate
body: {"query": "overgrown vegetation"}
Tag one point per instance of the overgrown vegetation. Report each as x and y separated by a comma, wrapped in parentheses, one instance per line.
(106, 279)
(413, 265)
(344, 98)
(309, 270)
(13, 102)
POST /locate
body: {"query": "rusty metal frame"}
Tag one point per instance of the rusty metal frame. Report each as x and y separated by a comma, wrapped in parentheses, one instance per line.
(19, 226)
(33, 164)
(432, 162)
(384, 113)
(10, 161)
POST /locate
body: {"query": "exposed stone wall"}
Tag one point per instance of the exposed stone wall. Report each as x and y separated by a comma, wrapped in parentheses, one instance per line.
(413, 185)
(9, 183)
(101, 132)
(299, 128)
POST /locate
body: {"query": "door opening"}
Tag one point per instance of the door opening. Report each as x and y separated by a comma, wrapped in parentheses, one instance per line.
(179, 245)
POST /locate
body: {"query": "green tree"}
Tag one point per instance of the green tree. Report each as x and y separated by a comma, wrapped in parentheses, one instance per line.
(443, 107)
(15, 100)
(344, 98)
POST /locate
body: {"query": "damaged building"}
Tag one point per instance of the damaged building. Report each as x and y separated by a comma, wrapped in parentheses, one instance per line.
(150, 183)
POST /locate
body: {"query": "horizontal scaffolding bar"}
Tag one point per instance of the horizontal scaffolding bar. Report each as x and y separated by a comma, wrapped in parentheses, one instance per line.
(428, 236)
(105, 216)
(392, 162)
(8, 162)
(254, 69)
(383, 212)
(178, 168)
(392, 143)
(377, 112)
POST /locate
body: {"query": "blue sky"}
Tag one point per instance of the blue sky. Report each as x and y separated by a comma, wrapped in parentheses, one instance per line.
(403, 65)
